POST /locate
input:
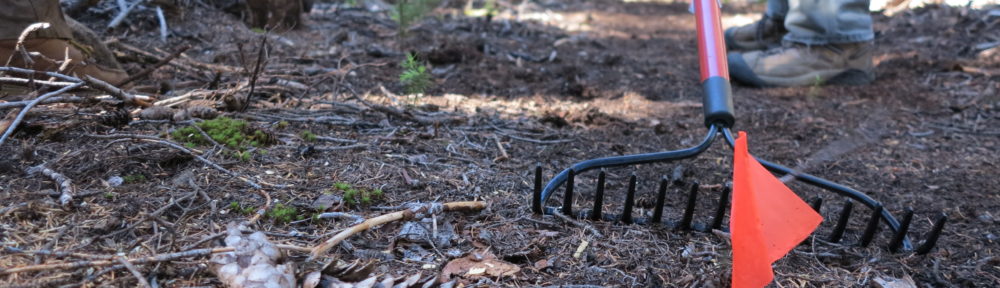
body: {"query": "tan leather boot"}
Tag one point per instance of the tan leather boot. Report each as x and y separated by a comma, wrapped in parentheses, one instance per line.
(801, 65)
(763, 34)
(53, 52)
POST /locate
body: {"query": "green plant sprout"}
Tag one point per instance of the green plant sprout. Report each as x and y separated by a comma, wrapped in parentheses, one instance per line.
(415, 78)
(134, 178)
(237, 135)
(282, 213)
(358, 196)
(308, 136)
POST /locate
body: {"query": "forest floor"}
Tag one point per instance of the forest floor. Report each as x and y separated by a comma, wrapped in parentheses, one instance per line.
(545, 83)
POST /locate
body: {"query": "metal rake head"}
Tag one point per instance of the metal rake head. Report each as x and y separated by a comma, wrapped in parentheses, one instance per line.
(878, 214)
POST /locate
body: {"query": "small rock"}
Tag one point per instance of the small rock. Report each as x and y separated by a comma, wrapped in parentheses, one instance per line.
(326, 201)
(986, 217)
(115, 181)
(420, 233)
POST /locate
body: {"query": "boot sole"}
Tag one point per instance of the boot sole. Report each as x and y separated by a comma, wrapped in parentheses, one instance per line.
(833, 77)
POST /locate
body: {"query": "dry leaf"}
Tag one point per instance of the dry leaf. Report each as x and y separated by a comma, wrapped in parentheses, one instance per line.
(889, 282)
(483, 265)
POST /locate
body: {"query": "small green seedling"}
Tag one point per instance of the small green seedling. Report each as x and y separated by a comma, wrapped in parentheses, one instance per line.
(308, 136)
(282, 124)
(282, 213)
(358, 196)
(237, 135)
(415, 78)
(134, 178)
(236, 207)
(109, 195)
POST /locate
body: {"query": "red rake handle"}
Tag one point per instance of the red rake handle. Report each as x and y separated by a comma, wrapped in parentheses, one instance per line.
(718, 99)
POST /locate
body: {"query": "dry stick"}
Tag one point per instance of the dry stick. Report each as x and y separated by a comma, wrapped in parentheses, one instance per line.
(65, 184)
(163, 24)
(53, 100)
(263, 210)
(24, 81)
(59, 254)
(585, 226)
(536, 141)
(171, 144)
(503, 152)
(408, 214)
(35, 72)
(114, 91)
(24, 111)
(256, 72)
(158, 64)
(124, 12)
(99, 263)
(91, 82)
(334, 148)
(20, 42)
(135, 272)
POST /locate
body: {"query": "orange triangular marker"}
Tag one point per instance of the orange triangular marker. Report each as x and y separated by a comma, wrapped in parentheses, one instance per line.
(767, 219)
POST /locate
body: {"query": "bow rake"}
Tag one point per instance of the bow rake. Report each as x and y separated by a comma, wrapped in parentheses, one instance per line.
(719, 119)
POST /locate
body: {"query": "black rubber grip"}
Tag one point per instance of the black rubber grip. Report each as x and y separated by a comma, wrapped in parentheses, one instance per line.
(718, 102)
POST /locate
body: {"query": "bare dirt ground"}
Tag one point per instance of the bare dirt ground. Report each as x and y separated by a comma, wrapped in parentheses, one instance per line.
(543, 82)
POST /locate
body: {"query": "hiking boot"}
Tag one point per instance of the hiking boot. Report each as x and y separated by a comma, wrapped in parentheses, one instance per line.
(49, 48)
(51, 52)
(801, 65)
(763, 34)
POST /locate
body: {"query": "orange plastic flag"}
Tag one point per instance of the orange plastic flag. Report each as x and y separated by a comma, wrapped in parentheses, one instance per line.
(767, 219)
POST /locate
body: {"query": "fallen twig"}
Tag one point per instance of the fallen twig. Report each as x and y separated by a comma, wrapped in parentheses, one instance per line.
(114, 91)
(24, 111)
(416, 211)
(124, 12)
(263, 210)
(99, 263)
(334, 148)
(135, 272)
(15, 250)
(24, 81)
(256, 72)
(163, 24)
(64, 183)
(503, 151)
(585, 226)
(20, 42)
(158, 64)
(536, 141)
(174, 145)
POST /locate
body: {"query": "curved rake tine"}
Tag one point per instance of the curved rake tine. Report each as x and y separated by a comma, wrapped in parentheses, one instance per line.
(720, 212)
(904, 225)
(661, 198)
(845, 216)
(689, 209)
(872, 226)
(567, 208)
(595, 215)
(617, 161)
(629, 200)
(536, 198)
(816, 204)
(932, 238)
(825, 184)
